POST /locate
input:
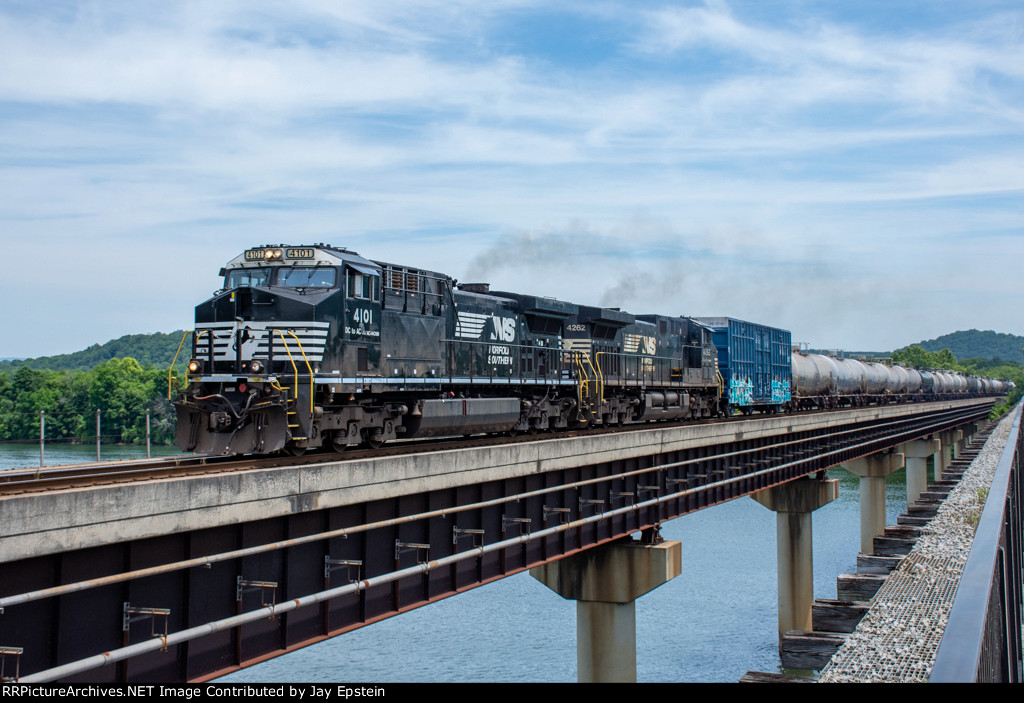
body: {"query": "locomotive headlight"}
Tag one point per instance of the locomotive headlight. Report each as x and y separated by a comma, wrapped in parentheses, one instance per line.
(193, 366)
(268, 254)
(255, 367)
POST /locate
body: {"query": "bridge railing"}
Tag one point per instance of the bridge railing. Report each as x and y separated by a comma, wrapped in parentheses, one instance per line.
(982, 640)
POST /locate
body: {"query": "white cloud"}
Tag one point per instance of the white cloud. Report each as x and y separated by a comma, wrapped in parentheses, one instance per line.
(822, 62)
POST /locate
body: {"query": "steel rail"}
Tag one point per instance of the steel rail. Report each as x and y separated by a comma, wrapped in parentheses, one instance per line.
(206, 561)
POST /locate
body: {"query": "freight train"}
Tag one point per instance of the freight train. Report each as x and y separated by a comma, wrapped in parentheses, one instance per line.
(315, 346)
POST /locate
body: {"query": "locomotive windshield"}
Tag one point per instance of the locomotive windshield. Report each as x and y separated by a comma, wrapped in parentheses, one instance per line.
(289, 277)
(306, 277)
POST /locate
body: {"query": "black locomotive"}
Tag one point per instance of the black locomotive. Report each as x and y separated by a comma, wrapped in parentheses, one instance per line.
(316, 346)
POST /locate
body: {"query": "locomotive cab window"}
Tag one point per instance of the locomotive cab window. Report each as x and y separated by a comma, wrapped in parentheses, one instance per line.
(247, 278)
(306, 277)
(363, 285)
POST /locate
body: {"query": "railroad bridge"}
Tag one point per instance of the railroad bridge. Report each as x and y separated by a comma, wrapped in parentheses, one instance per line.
(185, 579)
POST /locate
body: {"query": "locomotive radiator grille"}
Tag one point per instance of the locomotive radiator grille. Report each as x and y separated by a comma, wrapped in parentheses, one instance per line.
(256, 345)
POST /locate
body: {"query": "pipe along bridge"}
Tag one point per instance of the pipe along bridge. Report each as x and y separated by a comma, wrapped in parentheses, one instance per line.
(188, 579)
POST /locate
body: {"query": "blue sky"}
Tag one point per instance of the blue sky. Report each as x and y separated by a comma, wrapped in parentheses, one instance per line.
(853, 172)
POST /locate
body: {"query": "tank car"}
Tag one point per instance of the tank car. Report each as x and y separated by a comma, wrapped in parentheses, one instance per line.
(814, 379)
(313, 346)
(827, 382)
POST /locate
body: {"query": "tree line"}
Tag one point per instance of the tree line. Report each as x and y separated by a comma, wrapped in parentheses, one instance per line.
(121, 389)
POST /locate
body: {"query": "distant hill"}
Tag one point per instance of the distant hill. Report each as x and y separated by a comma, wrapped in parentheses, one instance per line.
(156, 349)
(974, 344)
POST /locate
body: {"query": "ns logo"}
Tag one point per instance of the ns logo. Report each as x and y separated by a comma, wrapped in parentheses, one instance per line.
(504, 329)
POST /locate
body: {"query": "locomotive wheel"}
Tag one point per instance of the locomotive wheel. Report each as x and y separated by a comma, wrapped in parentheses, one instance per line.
(295, 451)
(339, 441)
(374, 441)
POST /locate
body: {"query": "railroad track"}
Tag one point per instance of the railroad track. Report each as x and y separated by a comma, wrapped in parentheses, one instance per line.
(30, 480)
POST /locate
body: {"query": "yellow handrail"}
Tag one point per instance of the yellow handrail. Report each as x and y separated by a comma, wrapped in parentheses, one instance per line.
(308, 368)
(295, 369)
(582, 380)
(585, 377)
(170, 371)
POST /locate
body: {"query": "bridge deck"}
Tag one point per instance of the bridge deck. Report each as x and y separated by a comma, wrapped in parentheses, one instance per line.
(413, 529)
(37, 524)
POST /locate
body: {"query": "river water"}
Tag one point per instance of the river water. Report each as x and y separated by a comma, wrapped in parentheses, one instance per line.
(711, 624)
(16, 455)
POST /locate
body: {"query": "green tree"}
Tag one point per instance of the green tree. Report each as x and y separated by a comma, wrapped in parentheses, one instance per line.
(121, 392)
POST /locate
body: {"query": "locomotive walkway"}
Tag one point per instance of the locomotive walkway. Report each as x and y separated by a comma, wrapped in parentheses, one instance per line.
(209, 560)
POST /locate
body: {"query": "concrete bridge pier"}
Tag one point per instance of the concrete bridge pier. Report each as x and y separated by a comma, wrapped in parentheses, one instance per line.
(937, 463)
(605, 583)
(917, 453)
(952, 445)
(793, 504)
(958, 443)
(872, 471)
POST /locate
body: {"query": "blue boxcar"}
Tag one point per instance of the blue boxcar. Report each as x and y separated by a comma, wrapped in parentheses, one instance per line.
(755, 362)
